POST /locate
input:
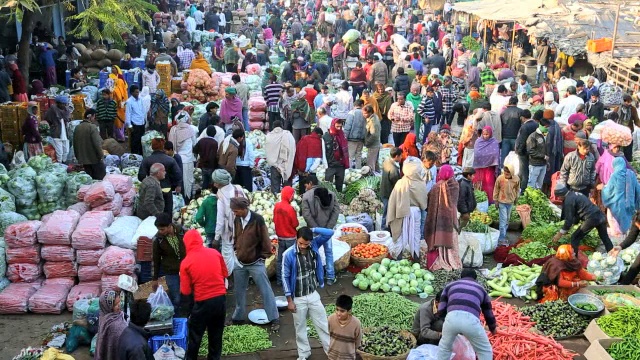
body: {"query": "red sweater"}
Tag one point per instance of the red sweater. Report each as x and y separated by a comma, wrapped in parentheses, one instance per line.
(311, 95)
(202, 272)
(285, 219)
(310, 146)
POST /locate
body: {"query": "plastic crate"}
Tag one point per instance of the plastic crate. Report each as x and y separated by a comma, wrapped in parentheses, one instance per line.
(145, 272)
(599, 45)
(180, 336)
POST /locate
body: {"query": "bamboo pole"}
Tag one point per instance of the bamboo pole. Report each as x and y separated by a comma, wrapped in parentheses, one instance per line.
(615, 31)
(485, 37)
(513, 41)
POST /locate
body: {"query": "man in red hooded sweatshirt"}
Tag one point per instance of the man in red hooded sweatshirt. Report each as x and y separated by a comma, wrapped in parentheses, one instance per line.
(285, 221)
(202, 274)
(308, 155)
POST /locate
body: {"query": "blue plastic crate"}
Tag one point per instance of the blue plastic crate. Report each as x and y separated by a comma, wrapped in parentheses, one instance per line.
(180, 336)
(145, 272)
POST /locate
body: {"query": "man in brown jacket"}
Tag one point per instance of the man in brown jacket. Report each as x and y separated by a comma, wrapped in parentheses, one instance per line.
(87, 146)
(253, 247)
(151, 198)
(228, 151)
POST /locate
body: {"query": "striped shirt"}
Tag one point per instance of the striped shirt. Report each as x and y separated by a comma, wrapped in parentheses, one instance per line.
(344, 339)
(427, 110)
(272, 94)
(306, 282)
(467, 295)
(401, 117)
(106, 110)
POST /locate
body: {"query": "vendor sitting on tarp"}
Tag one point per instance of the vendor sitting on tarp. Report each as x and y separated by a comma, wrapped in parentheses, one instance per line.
(427, 323)
(562, 275)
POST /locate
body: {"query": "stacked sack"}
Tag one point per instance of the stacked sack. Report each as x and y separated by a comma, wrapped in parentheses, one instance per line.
(89, 240)
(4, 282)
(257, 112)
(114, 262)
(23, 252)
(164, 70)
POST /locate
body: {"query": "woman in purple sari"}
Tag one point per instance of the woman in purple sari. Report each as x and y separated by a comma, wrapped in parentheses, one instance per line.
(485, 161)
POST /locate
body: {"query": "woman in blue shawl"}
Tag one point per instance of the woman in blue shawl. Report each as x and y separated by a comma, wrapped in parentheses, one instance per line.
(621, 195)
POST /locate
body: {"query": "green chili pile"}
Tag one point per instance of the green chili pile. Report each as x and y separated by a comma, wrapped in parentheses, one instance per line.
(623, 323)
(239, 339)
(627, 349)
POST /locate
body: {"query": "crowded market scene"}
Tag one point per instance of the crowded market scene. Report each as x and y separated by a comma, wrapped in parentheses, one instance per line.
(319, 179)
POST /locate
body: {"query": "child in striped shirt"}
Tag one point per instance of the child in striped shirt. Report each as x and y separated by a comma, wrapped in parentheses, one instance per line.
(345, 331)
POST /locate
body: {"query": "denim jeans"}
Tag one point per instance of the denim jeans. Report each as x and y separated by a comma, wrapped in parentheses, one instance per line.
(460, 322)
(245, 118)
(536, 176)
(507, 146)
(524, 172)
(423, 218)
(542, 69)
(329, 266)
(258, 273)
(282, 246)
(505, 211)
(173, 284)
(385, 203)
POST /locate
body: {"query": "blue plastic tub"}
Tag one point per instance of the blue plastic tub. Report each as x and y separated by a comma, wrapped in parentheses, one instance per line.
(180, 336)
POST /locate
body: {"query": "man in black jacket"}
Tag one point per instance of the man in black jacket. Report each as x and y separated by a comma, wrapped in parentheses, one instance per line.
(174, 175)
(577, 207)
(529, 125)
(134, 340)
(435, 61)
(511, 123)
(467, 200)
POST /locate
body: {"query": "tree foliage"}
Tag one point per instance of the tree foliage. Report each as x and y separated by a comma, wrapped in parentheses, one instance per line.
(109, 19)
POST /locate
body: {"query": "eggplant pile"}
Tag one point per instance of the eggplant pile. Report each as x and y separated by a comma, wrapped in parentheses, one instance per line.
(385, 341)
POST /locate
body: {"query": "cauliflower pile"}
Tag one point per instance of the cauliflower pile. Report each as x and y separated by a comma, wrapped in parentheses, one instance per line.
(262, 202)
(607, 269)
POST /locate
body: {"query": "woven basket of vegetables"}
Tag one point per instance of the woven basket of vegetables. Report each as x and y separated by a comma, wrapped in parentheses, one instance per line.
(342, 262)
(363, 255)
(384, 340)
(146, 289)
(354, 239)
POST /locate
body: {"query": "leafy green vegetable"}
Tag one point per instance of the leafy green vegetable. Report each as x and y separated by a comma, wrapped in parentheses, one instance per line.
(532, 250)
(368, 182)
(541, 210)
(480, 196)
(476, 226)
(470, 43)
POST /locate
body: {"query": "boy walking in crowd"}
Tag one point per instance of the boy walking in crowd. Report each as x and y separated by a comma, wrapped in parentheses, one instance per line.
(505, 194)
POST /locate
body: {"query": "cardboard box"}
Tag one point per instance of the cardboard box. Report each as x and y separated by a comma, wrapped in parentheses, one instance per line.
(598, 349)
(588, 289)
(594, 333)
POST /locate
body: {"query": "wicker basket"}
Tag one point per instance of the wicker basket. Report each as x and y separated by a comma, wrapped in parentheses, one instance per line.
(270, 264)
(343, 262)
(363, 263)
(145, 289)
(403, 333)
(355, 239)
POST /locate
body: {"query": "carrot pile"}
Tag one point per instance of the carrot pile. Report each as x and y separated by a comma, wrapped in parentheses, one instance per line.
(514, 339)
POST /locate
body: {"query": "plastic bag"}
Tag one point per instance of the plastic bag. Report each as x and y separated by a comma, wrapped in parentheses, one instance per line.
(77, 336)
(146, 229)
(88, 257)
(49, 299)
(80, 309)
(89, 273)
(92, 348)
(169, 351)
(54, 269)
(82, 191)
(15, 298)
(131, 160)
(22, 185)
(470, 249)
(513, 160)
(69, 282)
(74, 182)
(129, 198)
(24, 272)
(121, 232)
(22, 234)
(82, 292)
(80, 208)
(362, 219)
(114, 206)
(7, 201)
(58, 229)
(58, 253)
(99, 193)
(50, 185)
(352, 35)
(109, 282)
(483, 206)
(23, 255)
(89, 234)
(111, 170)
(121, 183)
(178, 203)
(9, 218)
(112, 160)
(4, 282)
(116, 260)
(126, 211)
(161, 306)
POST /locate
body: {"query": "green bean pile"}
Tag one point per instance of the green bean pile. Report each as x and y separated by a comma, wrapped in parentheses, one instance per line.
(623, 323)
(627, 349)
(239, 339)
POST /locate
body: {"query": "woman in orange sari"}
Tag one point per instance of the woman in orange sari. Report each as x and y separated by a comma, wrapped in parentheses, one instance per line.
(120, 95)
(562, 275)
(200, 63)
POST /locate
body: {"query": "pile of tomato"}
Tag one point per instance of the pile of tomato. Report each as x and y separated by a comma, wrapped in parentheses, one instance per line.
(368, 250)
(352, 230)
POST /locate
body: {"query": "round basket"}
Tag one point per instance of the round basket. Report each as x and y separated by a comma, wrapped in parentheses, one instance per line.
(146, 289)
(343, 262)
(403, 333)
(365, 262)
(270, 264)
(355, 239)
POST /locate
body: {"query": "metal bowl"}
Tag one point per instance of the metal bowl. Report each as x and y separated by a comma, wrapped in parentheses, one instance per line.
(585, 298)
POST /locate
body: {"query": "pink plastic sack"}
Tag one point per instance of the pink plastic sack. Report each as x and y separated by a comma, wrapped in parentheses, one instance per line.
(257, 104)
(89, 273)
(80, 208)
(99, 193)
(257, 115)
(24, 255)
(58, 269)
(121, 183)
(254, 69)
(49, 299)
(15, 298)
(129, 197)
(67, 281)
(617, 134)
(88, 257)
(256, 125)
(82, 291)
(109, 282)
(82, 191)
(24, 272)
(45, 218)
(126, 211)
(89, 234)
(58, 253)
(114, 206)
(116, 261)
(22, 234)
(58, 229)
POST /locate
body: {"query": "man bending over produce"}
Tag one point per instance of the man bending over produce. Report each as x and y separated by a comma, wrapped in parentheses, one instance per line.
(427, 323)
(462, 301)
(562, 276)
(578, 207)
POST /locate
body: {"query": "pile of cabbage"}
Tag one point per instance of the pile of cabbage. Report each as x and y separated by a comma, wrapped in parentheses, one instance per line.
(607, 269)
(400, 277)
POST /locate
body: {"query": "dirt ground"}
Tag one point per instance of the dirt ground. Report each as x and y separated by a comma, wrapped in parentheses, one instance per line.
(20, 331)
